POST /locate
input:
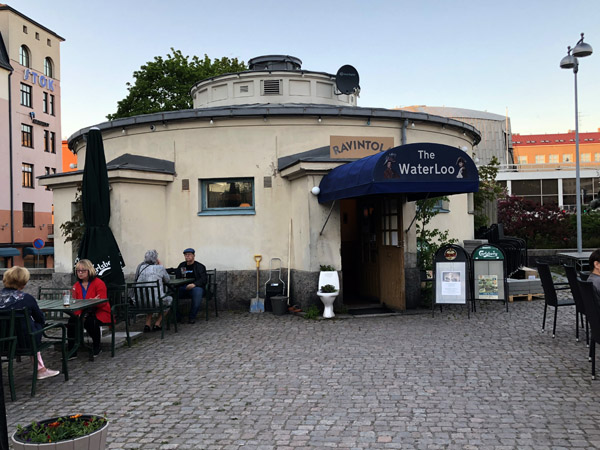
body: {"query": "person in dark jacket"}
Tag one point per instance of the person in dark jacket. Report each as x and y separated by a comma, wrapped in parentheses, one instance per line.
(13, 297)
(196, 273)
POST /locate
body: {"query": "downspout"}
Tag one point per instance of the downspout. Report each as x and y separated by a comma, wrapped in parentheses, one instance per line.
(404, 127)
(10, 164)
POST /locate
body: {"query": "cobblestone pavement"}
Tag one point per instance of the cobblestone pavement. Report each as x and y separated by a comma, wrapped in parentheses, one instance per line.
(493, 381)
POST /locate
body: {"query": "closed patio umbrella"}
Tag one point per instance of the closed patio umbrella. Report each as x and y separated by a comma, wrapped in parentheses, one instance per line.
(98, 243)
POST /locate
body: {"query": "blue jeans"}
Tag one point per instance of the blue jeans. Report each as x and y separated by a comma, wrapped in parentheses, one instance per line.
(196, 295)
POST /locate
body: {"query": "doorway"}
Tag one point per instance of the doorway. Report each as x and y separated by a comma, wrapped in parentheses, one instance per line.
(372, 250)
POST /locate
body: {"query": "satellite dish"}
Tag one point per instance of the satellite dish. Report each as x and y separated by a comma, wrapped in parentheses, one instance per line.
(346, 80)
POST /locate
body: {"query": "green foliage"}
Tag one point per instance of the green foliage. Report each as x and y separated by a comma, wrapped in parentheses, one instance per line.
(542, 226)
(61, 429)
(312, 312)
(328, 288)
(326, 268)
(590, 228)
(164, 84)
(489, 191)
(429, 240)
(74, 229)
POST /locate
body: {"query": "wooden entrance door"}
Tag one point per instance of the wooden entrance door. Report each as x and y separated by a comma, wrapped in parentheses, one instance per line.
(391, 254)
(369, 250)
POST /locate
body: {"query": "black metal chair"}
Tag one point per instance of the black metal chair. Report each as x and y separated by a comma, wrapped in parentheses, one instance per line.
(550, 296)
(27, 341)
(210, 295)
(53, 293)
(579, 306)
(592, 307)
(8, 346)
(119, 307)
(147, 299)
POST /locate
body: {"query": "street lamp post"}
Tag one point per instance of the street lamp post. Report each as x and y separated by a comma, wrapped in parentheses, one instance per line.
(580, 50)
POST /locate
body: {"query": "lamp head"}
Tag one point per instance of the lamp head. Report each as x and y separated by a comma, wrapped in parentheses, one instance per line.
(315, 190)
(569, 61)
(582, 49)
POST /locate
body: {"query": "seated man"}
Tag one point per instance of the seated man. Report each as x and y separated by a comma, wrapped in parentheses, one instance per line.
(196, 273)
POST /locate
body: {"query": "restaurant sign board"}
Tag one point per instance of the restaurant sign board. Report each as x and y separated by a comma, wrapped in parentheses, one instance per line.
(358, 146)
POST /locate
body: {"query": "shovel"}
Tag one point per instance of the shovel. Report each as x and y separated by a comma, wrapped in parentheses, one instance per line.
(257, 305)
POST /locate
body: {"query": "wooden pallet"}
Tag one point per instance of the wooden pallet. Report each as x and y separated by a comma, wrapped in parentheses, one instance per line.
(527, 297)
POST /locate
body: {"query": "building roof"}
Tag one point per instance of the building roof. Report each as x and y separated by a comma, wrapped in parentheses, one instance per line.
(4, 59)
(447, 111)
(267, 110)
(554, 138)
(145, 163)
(5, 7)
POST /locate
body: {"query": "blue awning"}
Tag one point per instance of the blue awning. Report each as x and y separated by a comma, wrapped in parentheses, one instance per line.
(9, 251)
(41, 251)
(418, 170)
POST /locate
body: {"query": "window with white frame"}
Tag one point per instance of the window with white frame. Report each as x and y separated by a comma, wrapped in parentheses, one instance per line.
(522, 159)
(24, 56)
(540, 159)
(48, 67)
(227, 196)
(567, 157)
(25, 95)
(586, 157)
(553, 159)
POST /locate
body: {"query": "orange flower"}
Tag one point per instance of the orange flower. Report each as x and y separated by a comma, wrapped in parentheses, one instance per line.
(54, 424)
(76, 416)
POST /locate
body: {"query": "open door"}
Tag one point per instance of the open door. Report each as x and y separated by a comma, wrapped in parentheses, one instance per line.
(391, 254)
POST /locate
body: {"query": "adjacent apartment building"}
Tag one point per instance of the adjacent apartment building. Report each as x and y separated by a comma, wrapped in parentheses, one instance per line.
(545, 168)
(30, 131)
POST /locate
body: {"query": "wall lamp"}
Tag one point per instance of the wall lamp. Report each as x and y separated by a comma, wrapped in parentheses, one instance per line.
(211, 121)
(315, 190)
(4, 226)
(412, 125)
(319, 119)
(265, 118)
(369, 121)
(123, 131)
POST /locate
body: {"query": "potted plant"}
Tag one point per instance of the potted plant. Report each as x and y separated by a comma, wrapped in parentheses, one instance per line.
(66, 432)
(328, 288)
(326, 268)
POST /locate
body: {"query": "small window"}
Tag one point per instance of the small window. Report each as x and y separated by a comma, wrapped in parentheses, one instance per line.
(26, 135)
(567, 157)
(37, 36)
(46, 141)
(227, 196)
(28, 215)
(553, 159)
(51, 104)
(25, 29)
(48, 67)
(586, 157)
(45, 103)
(540, 159)
(49, 42)
(522, 159)
(596, 157)
(27, 170)
(52, 142)
(25, 95)
(24, 56)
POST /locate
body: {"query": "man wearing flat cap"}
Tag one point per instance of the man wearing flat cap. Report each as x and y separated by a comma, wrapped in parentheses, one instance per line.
(196, 273)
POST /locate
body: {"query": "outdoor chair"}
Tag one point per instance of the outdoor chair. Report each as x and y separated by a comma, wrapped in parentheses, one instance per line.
(579, 306)
(53, 293)
(210, 295)
(592, 308)
(27, 341)
(146, 299)
(119, 307)
(8, 346)
(550, 294)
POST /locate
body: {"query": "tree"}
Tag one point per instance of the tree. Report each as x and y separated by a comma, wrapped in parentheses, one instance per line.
(164, 84)
(429, 240)
(74, 229)
(489, 191)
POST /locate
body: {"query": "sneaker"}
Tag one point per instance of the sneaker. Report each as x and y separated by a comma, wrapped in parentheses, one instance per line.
(72, 357)
(97, 351)
(47, 373)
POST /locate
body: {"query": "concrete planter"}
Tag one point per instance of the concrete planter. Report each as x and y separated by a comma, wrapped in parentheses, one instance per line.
(93, 441)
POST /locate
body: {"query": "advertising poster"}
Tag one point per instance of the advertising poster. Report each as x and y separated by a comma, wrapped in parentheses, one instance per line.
(487, 287)
(451, 283)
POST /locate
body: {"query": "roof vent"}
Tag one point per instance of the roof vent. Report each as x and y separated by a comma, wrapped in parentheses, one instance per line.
(275, 62)
(271, 87)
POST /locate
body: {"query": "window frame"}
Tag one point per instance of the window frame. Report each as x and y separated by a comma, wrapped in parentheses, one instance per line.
(46, 140)
(51, 104)
(26, 95)
(45, 102)
(48, 67)
(204, 210)
(24, 56)
(26, 136)
(27, 176)
(52, 142)
(29, 215)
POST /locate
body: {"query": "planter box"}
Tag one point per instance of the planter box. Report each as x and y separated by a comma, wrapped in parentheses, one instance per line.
(93, 441)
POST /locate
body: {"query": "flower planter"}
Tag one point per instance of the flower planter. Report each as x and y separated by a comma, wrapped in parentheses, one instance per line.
(93, 441)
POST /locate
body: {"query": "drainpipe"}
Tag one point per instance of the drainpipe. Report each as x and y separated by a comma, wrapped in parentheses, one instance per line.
(10, 164)
(404, 127)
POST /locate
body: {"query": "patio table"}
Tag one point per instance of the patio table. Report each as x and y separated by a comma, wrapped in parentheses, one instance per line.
(56, 305)
(579, 260)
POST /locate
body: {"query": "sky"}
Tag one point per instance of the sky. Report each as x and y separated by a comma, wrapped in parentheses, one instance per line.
(474, 54)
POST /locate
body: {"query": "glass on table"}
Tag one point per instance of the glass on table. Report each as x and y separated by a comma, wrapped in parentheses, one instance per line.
(183, 272)
(66, 297)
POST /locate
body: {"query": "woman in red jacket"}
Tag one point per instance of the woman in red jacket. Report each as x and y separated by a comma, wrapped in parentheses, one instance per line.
(89, 286)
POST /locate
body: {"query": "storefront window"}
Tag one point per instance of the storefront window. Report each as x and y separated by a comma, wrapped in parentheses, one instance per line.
(227, 196)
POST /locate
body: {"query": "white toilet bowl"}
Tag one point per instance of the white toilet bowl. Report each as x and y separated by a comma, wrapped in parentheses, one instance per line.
(328, 297)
